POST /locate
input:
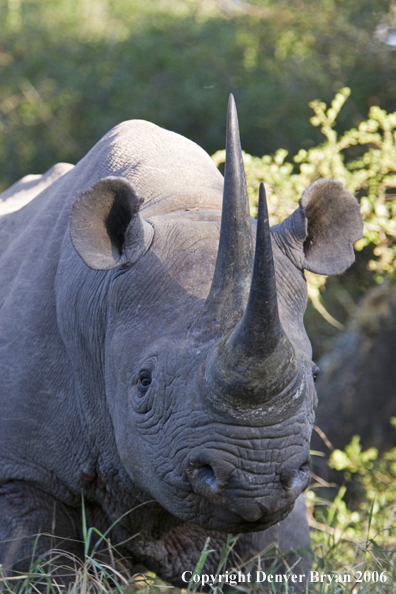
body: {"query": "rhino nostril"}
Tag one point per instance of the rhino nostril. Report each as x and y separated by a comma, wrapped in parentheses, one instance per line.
(306, 467)
(287, 477)
(292, 479)
(205, 474)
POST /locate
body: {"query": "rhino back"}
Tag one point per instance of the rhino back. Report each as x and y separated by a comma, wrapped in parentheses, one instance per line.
(30, 186)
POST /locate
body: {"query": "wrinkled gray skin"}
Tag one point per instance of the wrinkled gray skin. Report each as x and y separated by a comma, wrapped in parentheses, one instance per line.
(82, 332)
(359, 374)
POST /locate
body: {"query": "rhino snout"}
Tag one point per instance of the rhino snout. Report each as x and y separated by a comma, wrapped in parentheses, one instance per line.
(214, 478)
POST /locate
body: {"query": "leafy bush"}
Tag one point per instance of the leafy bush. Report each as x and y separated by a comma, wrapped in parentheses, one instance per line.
(371, 176)
(72, 69)
(356, 530)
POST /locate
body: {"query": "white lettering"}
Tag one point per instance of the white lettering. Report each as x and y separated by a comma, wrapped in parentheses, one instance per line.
(260, 576)
(314, 576)
(184, 578)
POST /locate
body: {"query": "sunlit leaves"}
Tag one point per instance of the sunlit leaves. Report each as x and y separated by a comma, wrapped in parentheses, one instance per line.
(372, 177)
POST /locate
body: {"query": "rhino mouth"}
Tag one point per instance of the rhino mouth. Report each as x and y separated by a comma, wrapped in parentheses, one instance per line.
(216, 517)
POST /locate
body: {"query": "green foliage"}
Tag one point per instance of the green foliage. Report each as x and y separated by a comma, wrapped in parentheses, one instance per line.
(200, 565)
(70, 70)
(357, 528)
(371, 176)
(377, 476)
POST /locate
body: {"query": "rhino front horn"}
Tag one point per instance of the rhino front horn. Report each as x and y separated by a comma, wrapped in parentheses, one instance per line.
(228, 292)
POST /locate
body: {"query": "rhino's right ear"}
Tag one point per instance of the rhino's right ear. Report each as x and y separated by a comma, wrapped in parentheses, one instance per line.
(106, 228)
(319, 235)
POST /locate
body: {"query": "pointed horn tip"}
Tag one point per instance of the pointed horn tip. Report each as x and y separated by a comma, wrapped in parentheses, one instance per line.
(262, 201)
(232, 108)
(232, 129)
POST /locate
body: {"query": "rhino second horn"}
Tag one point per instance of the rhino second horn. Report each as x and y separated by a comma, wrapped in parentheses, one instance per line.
(260, 330)
(235, 252)
(256, 361)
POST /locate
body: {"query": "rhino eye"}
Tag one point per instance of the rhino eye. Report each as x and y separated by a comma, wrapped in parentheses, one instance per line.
(315, 373)
(144, 380)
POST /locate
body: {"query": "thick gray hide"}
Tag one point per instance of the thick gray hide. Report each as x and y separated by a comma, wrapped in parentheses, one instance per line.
(357, 382)
(83, 335)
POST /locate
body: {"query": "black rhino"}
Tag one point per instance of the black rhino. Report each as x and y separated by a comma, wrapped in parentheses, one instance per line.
(359, 374)
(154, 360)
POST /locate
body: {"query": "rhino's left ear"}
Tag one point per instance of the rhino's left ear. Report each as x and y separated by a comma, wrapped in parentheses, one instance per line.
(320, 234)
(106, 228)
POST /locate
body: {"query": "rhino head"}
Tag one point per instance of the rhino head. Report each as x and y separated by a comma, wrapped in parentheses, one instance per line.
(207, 367)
